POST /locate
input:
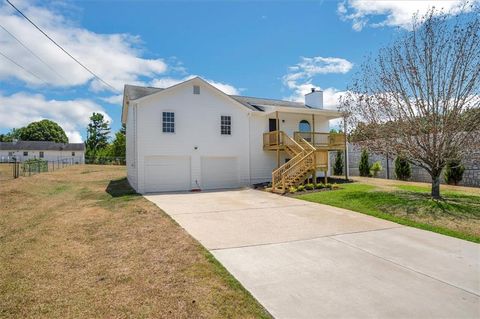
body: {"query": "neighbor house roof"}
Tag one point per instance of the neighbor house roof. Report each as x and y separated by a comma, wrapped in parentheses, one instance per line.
(41, 146)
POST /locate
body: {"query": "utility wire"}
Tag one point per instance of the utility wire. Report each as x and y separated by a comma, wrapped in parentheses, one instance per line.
(21, 66)
(61, 48)
(33, 53)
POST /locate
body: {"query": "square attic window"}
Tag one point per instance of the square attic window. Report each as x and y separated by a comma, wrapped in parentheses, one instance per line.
(196, 89)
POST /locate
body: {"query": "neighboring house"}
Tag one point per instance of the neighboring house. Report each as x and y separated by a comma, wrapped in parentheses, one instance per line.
(193, 136)
(49, 151)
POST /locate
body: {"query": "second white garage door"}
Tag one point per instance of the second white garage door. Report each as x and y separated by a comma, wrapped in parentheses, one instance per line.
(220, 172)
(167, 173)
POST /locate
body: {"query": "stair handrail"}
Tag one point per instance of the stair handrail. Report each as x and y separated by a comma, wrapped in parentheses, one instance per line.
(286, 172)
(277, 173)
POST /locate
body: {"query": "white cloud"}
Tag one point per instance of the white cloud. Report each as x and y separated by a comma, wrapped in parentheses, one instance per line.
(393, 12)
(114, 57)
(114, 99)
(300, 77)
(21, 109)
(166, 82)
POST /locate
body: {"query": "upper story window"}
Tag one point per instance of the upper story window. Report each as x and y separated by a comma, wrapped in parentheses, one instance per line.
(10, 153)
(25, 153)
(40, 154)
(73, 153)
(168, 125)
(226, 125)
(304, 126)
(196, 89)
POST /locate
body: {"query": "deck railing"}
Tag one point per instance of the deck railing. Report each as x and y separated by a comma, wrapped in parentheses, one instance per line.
(323, 140)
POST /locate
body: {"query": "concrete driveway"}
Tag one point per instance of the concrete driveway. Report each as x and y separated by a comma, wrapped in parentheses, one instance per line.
(306, 260)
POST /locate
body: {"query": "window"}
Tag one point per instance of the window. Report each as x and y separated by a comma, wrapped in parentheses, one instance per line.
(40, 154)
(168, 122)
(73, 153)
(304, 126)
(226, 125)
(196, 89)
(25, 153)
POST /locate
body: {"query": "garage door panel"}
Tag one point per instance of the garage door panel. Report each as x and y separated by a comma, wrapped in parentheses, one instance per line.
(220, 172)
(167, 173)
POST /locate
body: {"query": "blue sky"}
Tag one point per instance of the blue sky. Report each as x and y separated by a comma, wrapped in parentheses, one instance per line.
(275, 49)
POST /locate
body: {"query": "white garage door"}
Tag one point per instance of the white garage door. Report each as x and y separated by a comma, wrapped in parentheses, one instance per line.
(167, 173)
(220, 172)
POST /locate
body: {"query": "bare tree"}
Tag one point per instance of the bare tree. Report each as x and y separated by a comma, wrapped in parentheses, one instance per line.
(420, 97)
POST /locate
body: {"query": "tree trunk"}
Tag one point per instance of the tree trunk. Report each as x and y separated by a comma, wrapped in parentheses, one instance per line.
(436, 186)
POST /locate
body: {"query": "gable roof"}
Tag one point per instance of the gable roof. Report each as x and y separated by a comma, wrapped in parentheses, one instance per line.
(134, 92)
(41, 146)
(255, 104)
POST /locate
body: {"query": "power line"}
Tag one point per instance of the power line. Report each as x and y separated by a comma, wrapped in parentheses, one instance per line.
(21, 66)
(33, 53)
(61, 48)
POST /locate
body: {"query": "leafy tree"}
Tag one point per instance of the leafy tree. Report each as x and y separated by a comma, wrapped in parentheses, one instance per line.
(118, 146)
(417, 98)
(97, 134)
(14, 134)
(338, 165)
(454, 172)
(403, 171)
(44, 130)
(364, 166)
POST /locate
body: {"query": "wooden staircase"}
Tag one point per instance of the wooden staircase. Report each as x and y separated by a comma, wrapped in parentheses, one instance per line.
(305, 161)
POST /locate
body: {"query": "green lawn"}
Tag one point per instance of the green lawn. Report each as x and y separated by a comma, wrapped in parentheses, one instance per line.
(457, 214)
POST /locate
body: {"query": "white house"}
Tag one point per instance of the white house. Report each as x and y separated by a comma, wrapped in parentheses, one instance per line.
(193, 136)
(49, 151)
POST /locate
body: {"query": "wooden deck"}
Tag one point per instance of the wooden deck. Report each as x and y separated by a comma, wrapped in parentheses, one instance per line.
(308, 152)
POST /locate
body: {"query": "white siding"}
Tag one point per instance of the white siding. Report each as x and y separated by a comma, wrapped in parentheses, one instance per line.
(197, 130)
(167, 173)
(132, 168)
(219, 172)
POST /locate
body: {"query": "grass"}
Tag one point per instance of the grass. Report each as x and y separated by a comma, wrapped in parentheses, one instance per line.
(456, 215)
(79, 242)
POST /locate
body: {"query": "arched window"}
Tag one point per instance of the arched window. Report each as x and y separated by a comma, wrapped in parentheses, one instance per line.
(304, 126)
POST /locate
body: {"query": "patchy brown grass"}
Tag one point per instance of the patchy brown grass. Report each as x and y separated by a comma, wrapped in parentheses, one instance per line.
(79, 243)
(6, 171)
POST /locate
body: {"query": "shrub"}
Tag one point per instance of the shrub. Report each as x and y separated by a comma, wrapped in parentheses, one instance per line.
(364, 167)
(403, 171)
(335, 186)
(454, 172)
(319, 186)
(309, 186)
(338, 165)
(35, 165)
(301, 188)
(376, 168)
(328, 185)
(292, 189)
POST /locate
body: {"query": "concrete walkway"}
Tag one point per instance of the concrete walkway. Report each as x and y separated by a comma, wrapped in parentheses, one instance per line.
(306, 260)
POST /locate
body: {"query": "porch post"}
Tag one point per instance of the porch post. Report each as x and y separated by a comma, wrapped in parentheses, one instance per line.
(313, 131)
(278, 139)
